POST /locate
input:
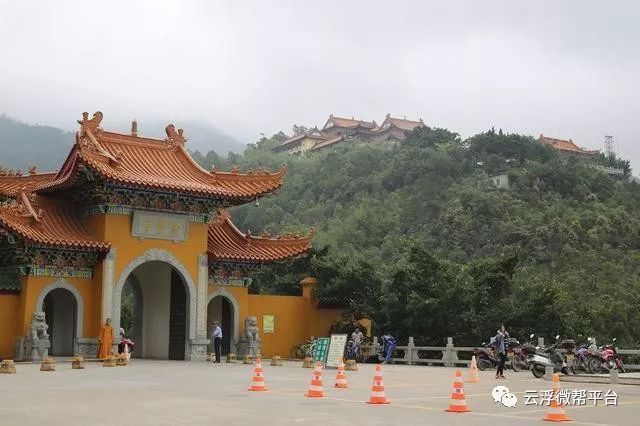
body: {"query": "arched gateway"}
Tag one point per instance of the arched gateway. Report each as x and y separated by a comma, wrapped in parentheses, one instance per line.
(124, 208)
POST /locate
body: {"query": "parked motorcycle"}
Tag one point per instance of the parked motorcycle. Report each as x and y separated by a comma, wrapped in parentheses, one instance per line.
(514, 354)
(547, 357)
(520, 359)
(606, 359)
(485, 357)
(582, 356)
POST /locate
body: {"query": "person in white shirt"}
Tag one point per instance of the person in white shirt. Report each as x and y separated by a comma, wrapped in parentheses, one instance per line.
(357, 338)
(216, 336)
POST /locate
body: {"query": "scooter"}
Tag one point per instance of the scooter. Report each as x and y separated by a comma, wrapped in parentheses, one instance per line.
(548, 357)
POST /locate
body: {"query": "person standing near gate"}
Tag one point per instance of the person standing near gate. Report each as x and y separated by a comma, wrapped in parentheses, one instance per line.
(216, 336)
(105, 340)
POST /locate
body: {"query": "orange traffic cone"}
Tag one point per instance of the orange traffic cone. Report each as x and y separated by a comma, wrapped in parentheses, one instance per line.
(257, 382)
(377, 389)
(315, 387)
(458, 403)
(556, 412)
(473, 371)
(341, 377)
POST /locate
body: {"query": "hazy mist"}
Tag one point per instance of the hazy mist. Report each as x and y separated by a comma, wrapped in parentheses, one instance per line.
(563, 68)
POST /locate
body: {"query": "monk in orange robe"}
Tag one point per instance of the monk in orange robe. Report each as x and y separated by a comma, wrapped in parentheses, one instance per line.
(105, 340)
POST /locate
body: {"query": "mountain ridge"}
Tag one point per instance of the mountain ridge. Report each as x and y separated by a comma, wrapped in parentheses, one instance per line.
(25, 144)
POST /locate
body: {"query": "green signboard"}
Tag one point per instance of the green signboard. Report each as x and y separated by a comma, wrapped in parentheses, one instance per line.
(321, 349)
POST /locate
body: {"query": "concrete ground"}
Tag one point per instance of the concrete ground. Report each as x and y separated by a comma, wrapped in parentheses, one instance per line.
(198, 393)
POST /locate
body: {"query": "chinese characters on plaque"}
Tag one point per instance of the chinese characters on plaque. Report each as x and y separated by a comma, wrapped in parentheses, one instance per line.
(164, 226)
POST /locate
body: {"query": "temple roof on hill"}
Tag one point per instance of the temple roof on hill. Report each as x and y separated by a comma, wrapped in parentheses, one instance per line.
(322, 139)
(12, 184)
(155, 164)
(565, 145)
(314, 133)
(227, 244)
(47, 222)
(348, 123)
(328, 142)
(400, 123)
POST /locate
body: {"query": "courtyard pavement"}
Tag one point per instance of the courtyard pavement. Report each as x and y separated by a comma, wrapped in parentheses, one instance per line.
(197, 393)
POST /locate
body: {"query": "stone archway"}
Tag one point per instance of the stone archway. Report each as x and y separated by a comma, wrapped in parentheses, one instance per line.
(64, 284)
(222, 292)
(223, 307)
(161, 256)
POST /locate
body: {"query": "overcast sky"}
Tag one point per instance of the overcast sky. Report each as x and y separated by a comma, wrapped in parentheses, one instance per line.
(563, 68)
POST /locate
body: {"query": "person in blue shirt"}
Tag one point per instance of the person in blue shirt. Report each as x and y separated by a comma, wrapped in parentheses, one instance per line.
(388, 343)
(216, 337)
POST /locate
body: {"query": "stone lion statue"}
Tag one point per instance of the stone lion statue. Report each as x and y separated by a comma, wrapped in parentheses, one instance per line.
(251, 328)
(38, 326)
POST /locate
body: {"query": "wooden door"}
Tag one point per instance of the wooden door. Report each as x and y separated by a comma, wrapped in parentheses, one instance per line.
(177, 318)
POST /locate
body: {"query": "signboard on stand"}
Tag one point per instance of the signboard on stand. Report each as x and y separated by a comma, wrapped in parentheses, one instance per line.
(320, 350)
(337, 346)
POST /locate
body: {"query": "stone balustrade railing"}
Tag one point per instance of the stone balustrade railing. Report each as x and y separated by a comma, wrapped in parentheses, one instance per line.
(448, 355)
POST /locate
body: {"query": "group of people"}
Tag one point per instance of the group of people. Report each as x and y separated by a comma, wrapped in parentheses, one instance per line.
(387, 343)
(106, 338)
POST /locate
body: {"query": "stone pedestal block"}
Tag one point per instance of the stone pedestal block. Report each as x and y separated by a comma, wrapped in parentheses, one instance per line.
(48, 364)
(7, 367)
(249, 347)
(77, 363)
(231, 358)
(307, 362)
(109, 361)
(276, 361)
(351, 365)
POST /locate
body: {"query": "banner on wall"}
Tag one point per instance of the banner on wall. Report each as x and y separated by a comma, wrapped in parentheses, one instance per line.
(268, 323)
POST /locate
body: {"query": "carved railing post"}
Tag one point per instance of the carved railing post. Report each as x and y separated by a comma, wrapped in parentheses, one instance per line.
(409, 354)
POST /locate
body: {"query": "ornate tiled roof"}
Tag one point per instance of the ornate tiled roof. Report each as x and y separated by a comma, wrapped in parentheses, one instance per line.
(155, 164)
(227, 244)
(12, 184)
(321, 140)
(328, 142)
(349, 123)
(565, 145)
(401, 123)
(47, 222)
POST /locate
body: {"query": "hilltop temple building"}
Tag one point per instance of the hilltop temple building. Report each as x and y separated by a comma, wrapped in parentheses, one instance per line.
(338, 129)
(127, 211)
(567, 147)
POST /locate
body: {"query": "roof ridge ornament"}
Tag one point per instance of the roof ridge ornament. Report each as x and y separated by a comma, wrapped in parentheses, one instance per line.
(92, 124)
(174, 137)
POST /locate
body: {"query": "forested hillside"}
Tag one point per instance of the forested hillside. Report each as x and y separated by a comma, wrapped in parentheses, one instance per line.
(24, 145)
(419, 239)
